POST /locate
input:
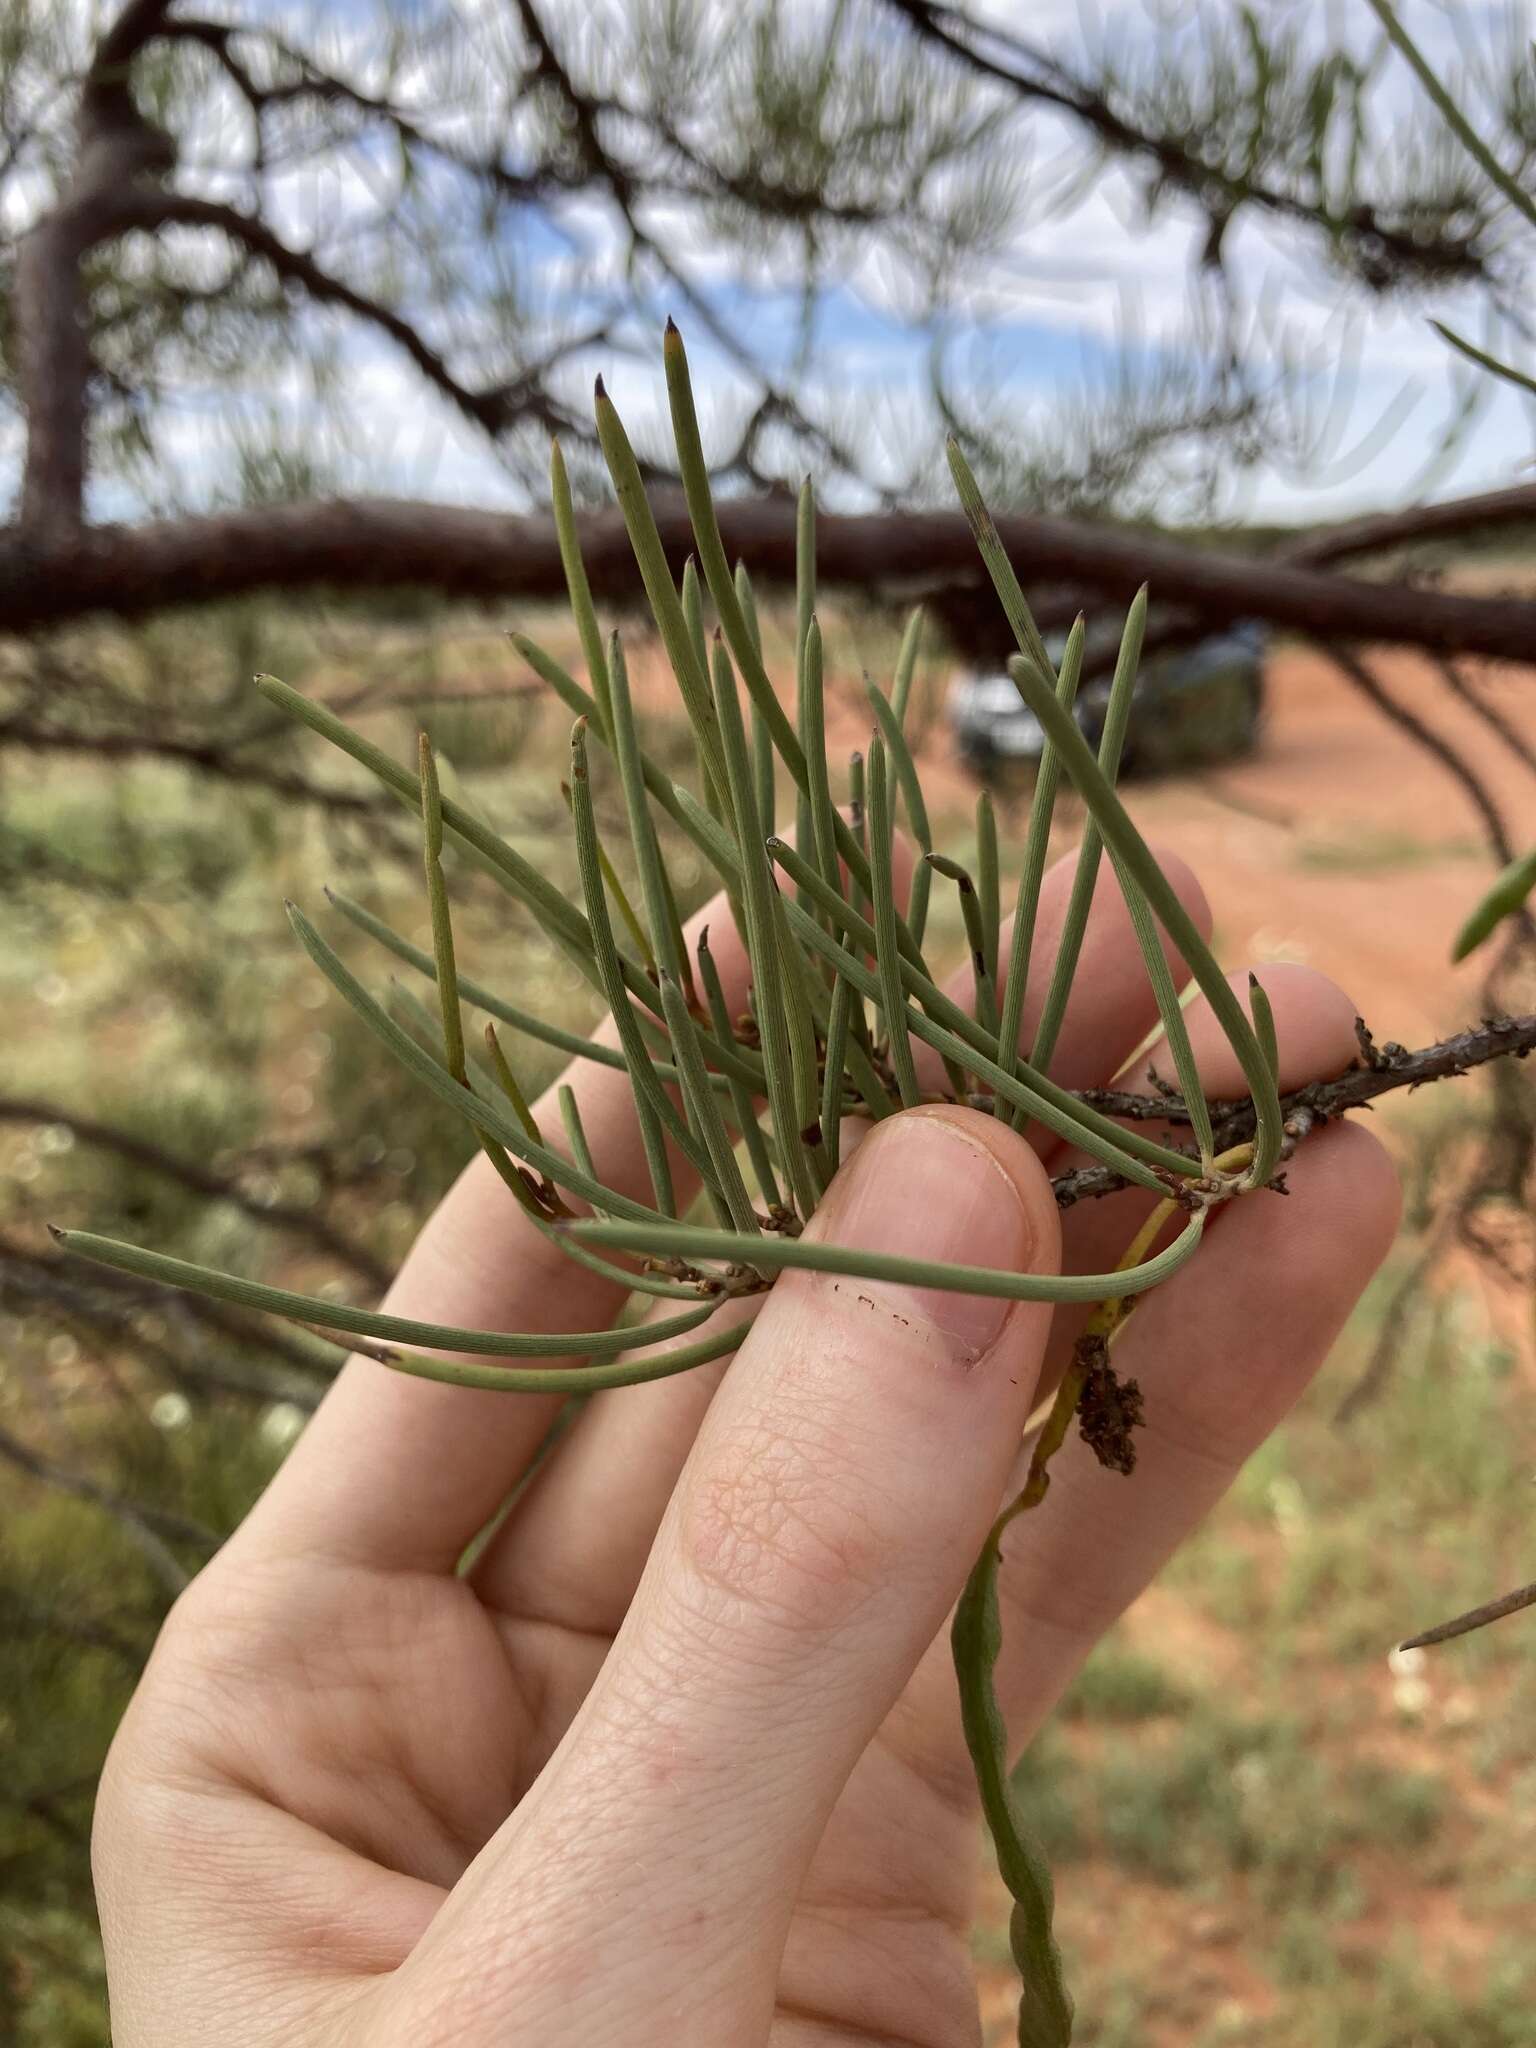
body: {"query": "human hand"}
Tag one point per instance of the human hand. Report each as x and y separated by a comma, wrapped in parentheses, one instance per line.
(679, 1761)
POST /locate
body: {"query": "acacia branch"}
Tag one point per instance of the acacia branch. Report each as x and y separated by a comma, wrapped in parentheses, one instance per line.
(1382, 1069)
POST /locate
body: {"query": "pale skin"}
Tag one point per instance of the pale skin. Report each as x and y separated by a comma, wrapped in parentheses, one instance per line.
(680, 1761)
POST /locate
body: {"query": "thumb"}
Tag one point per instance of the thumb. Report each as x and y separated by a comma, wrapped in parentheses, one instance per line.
(836, 1497)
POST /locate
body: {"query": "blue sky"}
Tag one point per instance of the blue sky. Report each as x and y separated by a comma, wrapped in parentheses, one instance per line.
(1026, 336)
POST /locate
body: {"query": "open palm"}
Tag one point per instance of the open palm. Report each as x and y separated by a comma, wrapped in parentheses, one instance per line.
(679, 1759)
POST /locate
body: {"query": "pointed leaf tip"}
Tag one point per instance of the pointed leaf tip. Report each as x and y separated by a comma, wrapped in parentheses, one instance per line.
(672, 329)
(59, 1236)
(599, 388)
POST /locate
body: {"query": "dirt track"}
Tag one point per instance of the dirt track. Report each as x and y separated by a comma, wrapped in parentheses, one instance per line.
(1342, 842)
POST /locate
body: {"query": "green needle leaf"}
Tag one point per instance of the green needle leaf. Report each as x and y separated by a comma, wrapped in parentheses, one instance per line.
(1121, 835)
(1036, 846)
(1080, 903)
(1506, 898)
(582, 608)
(360, 1322)
(510, 1087)
(486, 1117)
(618, 895)
(575, 1130)
(887, 959)
(1499, 368)
(703, 1112)
(821, 844)
(950, 1031)
(1451, 114)
(988, 882)
(742, 1106)
(660, 909)
(774, 1253)
(976, 1638)
(666, 608)
(912, 795)
(582, 704)
(442, 927)
(975, 936)
(693, 467)
(906, 665)
(653, 1106)
(1171, 1011)
(1264, 1024)
(563, 922)
(771, 973)
(582, 1380)
(999, 568)
(520, 1020)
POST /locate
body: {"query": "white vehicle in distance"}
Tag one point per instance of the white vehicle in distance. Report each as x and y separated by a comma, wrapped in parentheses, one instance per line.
(1199, 705)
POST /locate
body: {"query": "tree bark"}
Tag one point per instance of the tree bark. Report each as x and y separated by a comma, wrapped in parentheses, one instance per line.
(380, 544)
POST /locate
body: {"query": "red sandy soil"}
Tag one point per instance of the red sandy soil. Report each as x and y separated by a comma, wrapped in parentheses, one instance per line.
(1340, 841)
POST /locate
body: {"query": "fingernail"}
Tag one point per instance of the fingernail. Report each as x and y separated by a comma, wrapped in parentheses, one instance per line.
(921, 1187)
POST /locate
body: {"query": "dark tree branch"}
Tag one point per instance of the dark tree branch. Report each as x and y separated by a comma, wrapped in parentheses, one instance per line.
(1490, 714)
(380, 543)
(21, 1611)
(1475, 1618)
(213, 1187)
(493, 411)
(116, 150)
(148, 1527)
(227, 764)
(1453, 519)
(1032, 77)
(109, 1299)
(1453, 762)
(1393, 1328)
